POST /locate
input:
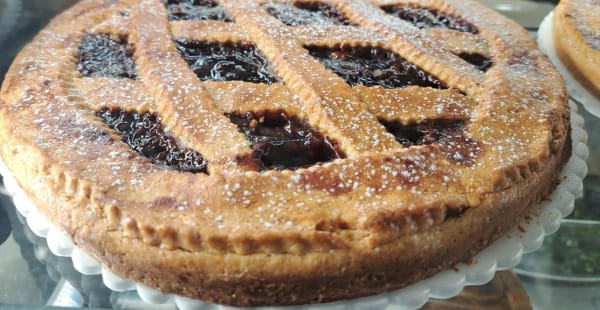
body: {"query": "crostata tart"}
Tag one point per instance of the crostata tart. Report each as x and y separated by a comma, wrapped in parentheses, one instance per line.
(276, 152)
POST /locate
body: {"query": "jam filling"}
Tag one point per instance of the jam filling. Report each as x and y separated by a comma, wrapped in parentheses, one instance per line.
(196, 10)
(101, 56)
(481, 62)
(427, 132)
(423, 18)
(226, 61)
(282, 142)
(372, 66)
(145, 134)
(306, 13)
(447, 133)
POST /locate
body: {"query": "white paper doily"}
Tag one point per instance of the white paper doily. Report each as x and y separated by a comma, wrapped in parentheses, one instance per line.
(503, 254)
(576, 91)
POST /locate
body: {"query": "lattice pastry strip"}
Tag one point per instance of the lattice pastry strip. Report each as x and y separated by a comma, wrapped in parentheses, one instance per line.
(126, 94)
(114, 22)
(180, 97)
(322, 36)
(207, 30)
(460, 43)
(407, 105)
(237, 96)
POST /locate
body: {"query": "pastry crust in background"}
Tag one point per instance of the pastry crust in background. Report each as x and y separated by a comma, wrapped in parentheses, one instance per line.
(576, 34)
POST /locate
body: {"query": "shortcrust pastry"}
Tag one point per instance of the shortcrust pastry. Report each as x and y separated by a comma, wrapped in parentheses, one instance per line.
(275, 153)
(576, 34)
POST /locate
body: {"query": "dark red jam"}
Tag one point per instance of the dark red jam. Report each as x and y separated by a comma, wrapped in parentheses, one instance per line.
(145, 134)
(424, 133)
(372, 66)
(424, 18)
(282, 142)
(101, 56)
(196, 10)
(306, 13)
(481, 62)
(226, 61)
(446, 133)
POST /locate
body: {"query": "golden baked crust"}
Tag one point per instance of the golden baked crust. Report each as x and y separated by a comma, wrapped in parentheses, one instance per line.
(576, 32)
(382, 216)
